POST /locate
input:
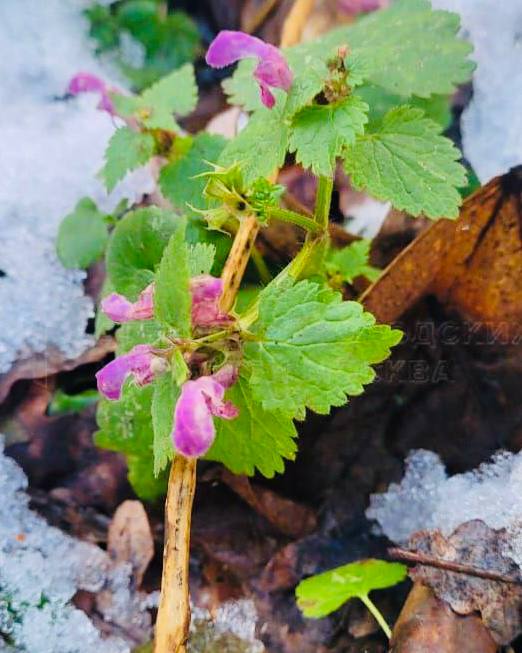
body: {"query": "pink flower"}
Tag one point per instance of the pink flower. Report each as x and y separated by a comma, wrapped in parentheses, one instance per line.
(206, 292)
(272, 69)
(200, 400)
(88, 83)
(355, 7)
(119, 309)
(137, 362)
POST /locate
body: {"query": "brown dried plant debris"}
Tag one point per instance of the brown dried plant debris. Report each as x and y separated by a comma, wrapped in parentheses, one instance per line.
(479, 546)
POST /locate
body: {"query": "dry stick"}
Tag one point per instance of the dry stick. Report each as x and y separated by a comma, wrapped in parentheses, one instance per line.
(449, 565)
(173, 621)
(260, 16)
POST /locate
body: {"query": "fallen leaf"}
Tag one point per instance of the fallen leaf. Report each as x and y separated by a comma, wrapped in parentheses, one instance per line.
(428, 625)
(130, 538)
(472, 265)
(474, 544)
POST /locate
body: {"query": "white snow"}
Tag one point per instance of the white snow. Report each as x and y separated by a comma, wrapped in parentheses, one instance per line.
(52, 149)
(41, 569)
(492, 123)
(427, 498)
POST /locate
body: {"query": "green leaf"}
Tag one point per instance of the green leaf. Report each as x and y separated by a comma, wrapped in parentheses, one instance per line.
(178, 180)
(125, 426)
(82, 235)
(407, 162)
(176, 93)
(127, 150)
(201, 258)
(411, 50)
(172, 300)
(164, 398)
(136, 247)
(380, 101)
(311, 349)
(320, 595)
(321, 132)
(351, 262)
(257, 438)
(260, 147)
(137, 332)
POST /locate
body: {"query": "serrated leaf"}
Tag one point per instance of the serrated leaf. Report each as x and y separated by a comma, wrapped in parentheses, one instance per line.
(320, 595)
(127, 150)
(201, 258)
(319, 133)
(411, 49)
(137, 332)
(352, 261)
(175, 93)
(407, 162)
(172, 299)
(260, 147)
(380, 101)
(82, 235)
(136, 247)
(256, 439)
(241, 88)
(179, 181)
(164, 398)
(125, 426)
(312, 349)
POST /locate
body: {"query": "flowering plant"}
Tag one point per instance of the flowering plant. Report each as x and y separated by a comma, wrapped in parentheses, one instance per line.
(198, 373)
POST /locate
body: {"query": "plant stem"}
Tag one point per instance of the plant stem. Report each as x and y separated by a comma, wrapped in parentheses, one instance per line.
(264, 273)
(376, 614)
(173, 621)
(323, 201)
(295, 218)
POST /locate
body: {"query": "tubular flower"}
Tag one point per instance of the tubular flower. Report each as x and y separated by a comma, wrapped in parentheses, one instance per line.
(138, 362)
(272, 69)
(206, 292)
(355, 7)
(119, 309)
(201, 400)
(88, 83)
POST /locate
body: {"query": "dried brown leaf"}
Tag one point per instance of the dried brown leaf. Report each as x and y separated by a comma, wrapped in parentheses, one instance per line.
(473, 265)
(130, 538)
(474, 544)
(428, 625)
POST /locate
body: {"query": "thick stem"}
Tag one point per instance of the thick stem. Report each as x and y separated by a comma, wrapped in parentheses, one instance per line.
(173, 621)
(323, 201)
(377, 615)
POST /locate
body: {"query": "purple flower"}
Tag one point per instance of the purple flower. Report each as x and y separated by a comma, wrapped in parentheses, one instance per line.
(206, 292)
(138, 362)
(88, 83)
(119, 309)
(272, 69)
(355, 7)
(200, 400)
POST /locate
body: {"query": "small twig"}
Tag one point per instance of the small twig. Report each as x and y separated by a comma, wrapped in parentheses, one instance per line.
(449, 565)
